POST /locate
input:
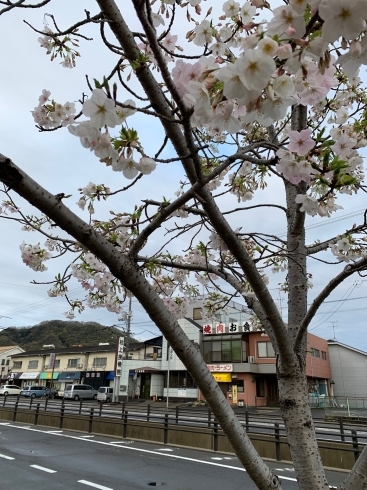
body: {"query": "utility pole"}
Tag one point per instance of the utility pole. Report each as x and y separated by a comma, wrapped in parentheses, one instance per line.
(127, 341)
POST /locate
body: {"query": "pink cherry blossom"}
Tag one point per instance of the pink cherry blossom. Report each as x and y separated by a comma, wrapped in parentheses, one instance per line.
(301, 142)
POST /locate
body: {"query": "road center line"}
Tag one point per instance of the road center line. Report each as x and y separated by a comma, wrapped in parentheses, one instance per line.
(6, 457)
(95, 485)
(42, 468)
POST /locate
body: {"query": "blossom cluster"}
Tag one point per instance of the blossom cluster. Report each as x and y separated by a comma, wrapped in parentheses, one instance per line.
(50, 114)
(63, 47)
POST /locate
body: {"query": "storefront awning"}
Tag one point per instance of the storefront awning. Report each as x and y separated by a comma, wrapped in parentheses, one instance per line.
(110, 375)
(67, 376)
(49, 376)
(29, 376)
(145, 369)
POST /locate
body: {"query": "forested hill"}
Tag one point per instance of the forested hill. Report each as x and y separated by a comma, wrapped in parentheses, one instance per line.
(59, 333)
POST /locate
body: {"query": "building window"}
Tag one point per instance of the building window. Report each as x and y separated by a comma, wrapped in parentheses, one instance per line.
(57, 363)
(315, 352)
(197, 314)
(99, 362)
(323, 355)
(2, 362)
(32, 364)
(73, 363)
(7, 362)
(260, 387)
(17, 364)
(179, 379)
(265, 349)
(222, 351)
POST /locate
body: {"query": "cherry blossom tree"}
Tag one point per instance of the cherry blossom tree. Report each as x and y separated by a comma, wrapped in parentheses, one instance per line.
(253, 93)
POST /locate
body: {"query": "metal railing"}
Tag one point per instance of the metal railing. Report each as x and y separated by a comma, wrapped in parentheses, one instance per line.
(184, 420)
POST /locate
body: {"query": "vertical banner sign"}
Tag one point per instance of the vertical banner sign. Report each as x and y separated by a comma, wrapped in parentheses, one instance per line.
(234, 394)
(51, 362)
(119, 357)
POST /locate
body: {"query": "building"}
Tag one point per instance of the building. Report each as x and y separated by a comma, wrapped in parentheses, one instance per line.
(238, 353)
(5, 362)
(153, 371)
(93, 365)
(348, 369)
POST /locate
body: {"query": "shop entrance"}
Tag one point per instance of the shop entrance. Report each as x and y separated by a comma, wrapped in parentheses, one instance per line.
(145, 386)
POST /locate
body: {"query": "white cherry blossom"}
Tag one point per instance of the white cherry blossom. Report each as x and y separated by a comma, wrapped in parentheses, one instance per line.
(100, 109)
(342, 18)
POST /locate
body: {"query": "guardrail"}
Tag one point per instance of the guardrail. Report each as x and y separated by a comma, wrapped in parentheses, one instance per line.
(176, 429)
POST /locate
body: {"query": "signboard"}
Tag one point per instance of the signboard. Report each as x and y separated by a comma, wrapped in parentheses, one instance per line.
(223, 328)
(234, 394)
(51, 362)
(225, 368)
(119, 357)
(222, 377)
(181, 392)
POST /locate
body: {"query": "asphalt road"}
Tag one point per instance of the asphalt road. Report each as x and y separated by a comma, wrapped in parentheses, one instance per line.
(38, 458)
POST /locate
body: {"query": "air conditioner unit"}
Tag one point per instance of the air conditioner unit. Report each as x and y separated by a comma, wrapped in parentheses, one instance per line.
(80, 365)
(251, 359)
(46, 366)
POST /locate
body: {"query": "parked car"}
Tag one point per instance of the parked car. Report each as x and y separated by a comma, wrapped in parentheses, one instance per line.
(10, 390)
(35, 391)
(80, 392)
(105, 394)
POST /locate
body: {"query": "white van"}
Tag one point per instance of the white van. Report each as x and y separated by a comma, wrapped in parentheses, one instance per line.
(80, 392)
(105, 394)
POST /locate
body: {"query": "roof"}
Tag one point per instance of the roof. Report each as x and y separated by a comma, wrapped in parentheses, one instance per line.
(67, 350)
(335, 342)
(6, 348)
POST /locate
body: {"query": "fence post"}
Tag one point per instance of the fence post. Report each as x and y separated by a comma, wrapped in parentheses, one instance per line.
(177, 413)
(209, 418)
(15, 409)
(62, 413)
(46, 402)
(247, 428)
(355, 444)
(123, 409)
(165, 437)
(341, 425)
(37, 413)
(125, 424)
(30, 402)
(5, 400)
(148, 412)
(277, 442)
(91, 415)
(215, 435)
(80, 406)
(100, 409)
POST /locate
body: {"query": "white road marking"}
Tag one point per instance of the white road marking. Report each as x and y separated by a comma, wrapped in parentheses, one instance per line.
(95, 485)
(4, 423)
(121, 442)
(42, 468)
(175, 456)
(86, 437)
(165, 449)
(5, 457)
(54, 431)
(217, 458)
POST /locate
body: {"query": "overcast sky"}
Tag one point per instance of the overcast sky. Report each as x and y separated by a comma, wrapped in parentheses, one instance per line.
(59, 163)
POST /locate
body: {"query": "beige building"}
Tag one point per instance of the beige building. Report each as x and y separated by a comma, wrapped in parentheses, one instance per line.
(93, 365)
(6, 352)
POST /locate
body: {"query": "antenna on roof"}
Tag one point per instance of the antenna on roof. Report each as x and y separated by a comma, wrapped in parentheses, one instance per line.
(333, 326)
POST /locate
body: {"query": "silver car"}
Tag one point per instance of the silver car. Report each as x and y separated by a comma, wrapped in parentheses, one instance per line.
(80, 392)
